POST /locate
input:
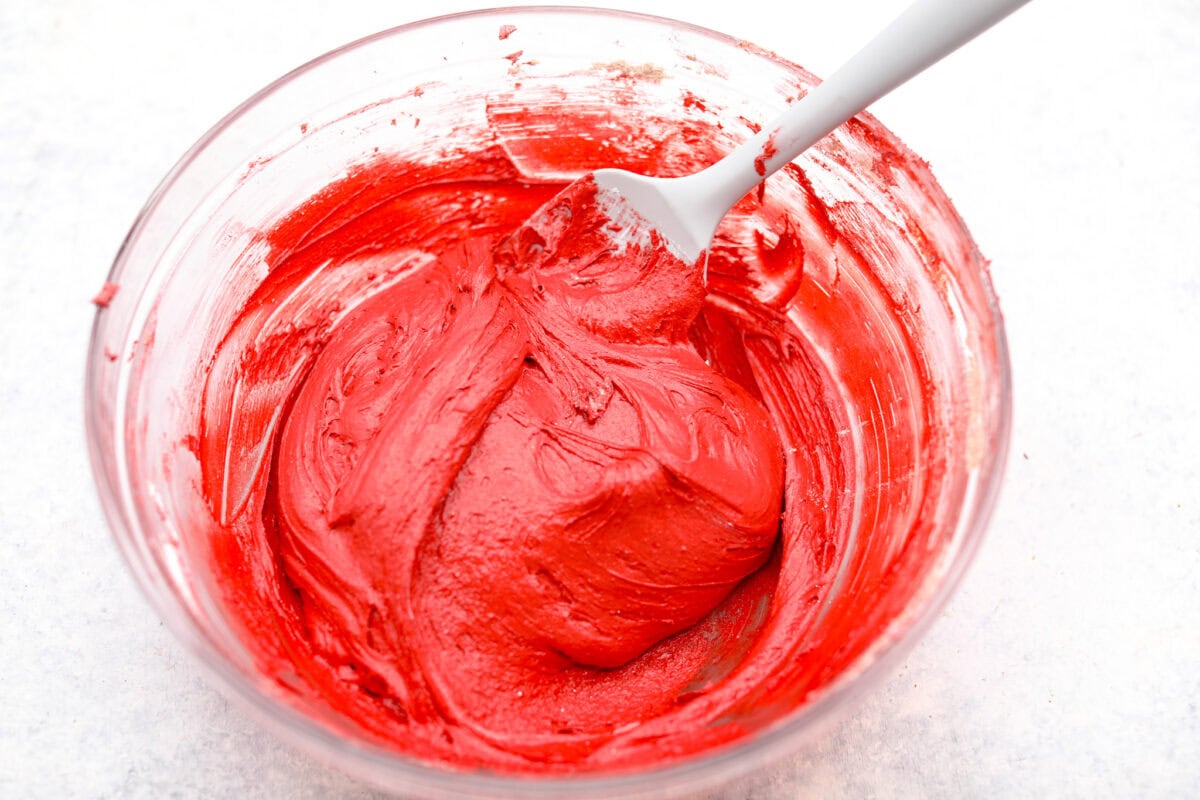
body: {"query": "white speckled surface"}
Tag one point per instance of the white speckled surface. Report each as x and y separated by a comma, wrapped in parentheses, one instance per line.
(1069, 663)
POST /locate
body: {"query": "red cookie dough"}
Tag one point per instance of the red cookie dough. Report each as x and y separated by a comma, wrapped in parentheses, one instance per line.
(507, 496)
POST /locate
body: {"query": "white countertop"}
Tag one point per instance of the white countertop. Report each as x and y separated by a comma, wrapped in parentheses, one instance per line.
(1069, 138)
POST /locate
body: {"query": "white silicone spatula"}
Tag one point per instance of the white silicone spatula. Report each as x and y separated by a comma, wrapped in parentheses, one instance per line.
(685, 211)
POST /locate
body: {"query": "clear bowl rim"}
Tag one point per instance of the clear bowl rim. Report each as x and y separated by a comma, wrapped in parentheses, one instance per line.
(725, 763)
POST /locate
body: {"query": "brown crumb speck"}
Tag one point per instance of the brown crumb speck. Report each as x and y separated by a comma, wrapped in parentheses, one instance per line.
(626, 71)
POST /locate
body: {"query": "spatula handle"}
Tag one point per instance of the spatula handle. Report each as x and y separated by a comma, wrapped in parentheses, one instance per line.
(923, 34)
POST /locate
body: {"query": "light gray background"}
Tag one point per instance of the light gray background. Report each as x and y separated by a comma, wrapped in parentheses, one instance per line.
(1069, 663)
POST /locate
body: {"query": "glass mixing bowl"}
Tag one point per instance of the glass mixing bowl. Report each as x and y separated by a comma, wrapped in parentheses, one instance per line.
(898, 308)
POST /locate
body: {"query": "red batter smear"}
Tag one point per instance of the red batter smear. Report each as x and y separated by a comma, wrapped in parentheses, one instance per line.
(106, 294)
(507, 31)
(768, 151)
(502, 494)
